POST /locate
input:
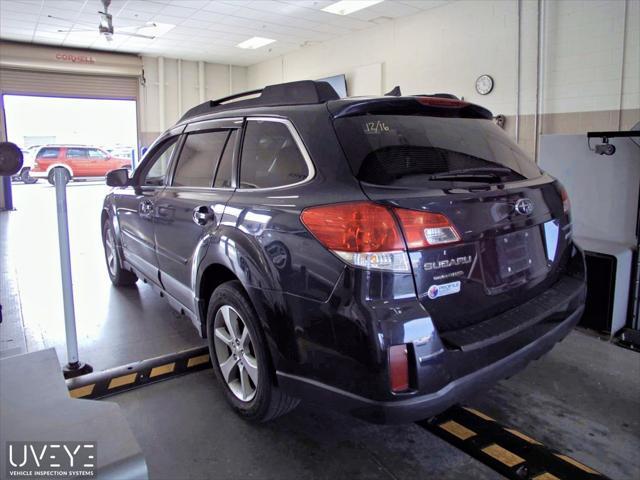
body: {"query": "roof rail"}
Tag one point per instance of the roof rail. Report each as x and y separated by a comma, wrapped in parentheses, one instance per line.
(303, 92)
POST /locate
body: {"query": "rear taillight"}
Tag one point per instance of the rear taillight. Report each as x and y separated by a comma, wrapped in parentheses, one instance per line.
(424, 229)
(566, 204)
(365, 234)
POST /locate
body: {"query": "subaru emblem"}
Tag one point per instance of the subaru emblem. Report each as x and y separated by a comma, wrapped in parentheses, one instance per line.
(524, 206)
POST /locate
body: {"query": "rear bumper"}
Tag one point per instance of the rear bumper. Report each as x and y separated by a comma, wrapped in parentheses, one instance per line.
(450, 376)
(425, 406)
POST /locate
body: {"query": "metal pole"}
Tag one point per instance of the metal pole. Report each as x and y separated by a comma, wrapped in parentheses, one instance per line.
(74, 367)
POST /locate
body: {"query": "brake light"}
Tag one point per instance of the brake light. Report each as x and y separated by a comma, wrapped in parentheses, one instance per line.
(365, 234)
(424, 229)
(441, 102)
(398, 368)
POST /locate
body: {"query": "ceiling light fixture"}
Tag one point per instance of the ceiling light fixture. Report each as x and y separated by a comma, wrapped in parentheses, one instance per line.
(154, 29)
(255, 42)
(346, 7)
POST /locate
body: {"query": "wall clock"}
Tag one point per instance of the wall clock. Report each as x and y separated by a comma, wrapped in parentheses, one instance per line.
(484, 84)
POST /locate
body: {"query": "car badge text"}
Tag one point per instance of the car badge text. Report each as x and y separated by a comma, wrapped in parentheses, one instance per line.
(448, 263)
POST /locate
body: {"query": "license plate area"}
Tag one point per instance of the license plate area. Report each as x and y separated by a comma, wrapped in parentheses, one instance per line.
(514, 251)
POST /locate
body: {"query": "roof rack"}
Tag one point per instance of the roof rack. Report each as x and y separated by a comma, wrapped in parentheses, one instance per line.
(303, 92)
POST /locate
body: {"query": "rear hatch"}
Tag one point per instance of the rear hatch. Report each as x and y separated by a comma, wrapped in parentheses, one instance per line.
(447, 157)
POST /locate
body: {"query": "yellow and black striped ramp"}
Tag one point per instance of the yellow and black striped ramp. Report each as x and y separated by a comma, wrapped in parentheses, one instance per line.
(116, 380)
(507, 451)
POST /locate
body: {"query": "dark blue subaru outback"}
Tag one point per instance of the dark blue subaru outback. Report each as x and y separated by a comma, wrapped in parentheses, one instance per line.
(384, 256)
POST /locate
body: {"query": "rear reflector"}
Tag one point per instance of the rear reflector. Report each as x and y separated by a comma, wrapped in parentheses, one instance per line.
(368, 235)
(398, 368)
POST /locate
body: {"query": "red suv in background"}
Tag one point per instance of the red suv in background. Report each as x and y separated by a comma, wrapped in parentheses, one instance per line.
(79, 161)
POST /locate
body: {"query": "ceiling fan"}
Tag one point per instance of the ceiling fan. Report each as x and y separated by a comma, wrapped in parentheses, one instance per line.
(105, 27)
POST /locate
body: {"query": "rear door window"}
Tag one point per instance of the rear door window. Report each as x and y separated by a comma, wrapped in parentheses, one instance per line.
(96, 153)
(48, 153)
(198, 159)
(76, 152)
(411, 149)
(270, 156)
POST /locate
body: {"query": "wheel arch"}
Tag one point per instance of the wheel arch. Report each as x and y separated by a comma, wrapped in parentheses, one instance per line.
(210, 278)
(214, 275)
(63, 165)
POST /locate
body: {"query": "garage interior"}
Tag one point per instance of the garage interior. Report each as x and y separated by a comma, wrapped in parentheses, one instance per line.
(565, 84)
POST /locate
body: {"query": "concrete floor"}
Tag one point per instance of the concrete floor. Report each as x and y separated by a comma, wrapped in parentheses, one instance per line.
(114, 326)
(582, 399)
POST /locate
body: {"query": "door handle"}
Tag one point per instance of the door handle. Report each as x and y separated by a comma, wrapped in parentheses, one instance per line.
(146, 207)
(202, 215)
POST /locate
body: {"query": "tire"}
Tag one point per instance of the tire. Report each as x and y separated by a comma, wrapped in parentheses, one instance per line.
(51, 174)
(119, 277)
(263, 400)
(26, 178)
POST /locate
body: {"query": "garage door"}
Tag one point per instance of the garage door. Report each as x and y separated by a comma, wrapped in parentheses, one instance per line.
(67, 84)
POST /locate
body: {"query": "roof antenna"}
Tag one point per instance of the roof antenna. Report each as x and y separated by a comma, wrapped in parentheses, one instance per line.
(394, 93)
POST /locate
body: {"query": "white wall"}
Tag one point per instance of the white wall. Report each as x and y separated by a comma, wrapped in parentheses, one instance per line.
(182, 90)
(584, 57)
(445, 49)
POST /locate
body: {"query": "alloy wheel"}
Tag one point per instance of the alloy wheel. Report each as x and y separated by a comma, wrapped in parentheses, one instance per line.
(235, 353)
(110, 250)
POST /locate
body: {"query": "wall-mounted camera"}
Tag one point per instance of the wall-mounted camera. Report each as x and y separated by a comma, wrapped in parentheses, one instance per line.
(605, 149)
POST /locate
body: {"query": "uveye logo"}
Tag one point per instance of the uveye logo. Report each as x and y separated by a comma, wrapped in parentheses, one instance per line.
(51, 460)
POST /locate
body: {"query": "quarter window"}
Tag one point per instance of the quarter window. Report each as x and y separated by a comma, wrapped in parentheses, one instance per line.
(198, 159)
(270, 156)
(48, 153)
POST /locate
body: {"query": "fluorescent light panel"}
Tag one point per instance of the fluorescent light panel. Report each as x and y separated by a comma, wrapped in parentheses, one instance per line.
(346, 7)
(255, 42)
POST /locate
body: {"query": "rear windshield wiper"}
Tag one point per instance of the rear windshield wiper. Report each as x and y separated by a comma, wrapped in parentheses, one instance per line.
(481, 173)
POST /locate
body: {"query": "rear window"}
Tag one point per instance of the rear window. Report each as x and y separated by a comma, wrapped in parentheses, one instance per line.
(48, 153)
(410, 149)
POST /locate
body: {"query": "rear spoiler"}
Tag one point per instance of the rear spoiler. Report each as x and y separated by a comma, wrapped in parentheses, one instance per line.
(429, 105)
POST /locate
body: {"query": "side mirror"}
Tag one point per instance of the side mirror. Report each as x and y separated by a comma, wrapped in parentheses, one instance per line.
(118, 178)
(10, 159)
